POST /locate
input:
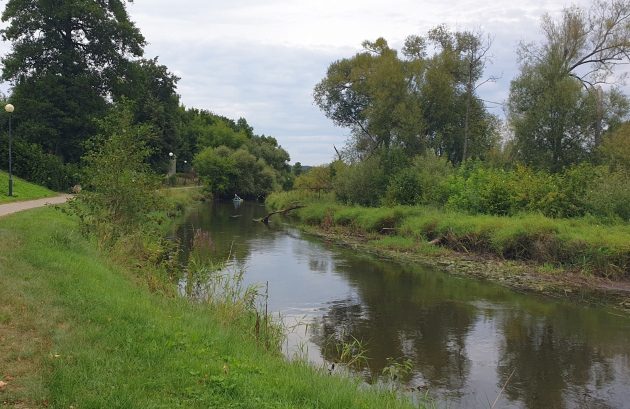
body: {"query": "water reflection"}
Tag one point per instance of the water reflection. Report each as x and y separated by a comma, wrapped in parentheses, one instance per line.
(466, 339)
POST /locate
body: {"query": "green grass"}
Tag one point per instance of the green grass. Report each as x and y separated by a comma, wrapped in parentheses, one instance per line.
(583, 244)
(79, 331)
(22, 190)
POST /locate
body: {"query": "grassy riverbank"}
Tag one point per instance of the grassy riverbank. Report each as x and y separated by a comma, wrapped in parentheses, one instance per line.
(22, 190)
(79, 331)
(536, 244)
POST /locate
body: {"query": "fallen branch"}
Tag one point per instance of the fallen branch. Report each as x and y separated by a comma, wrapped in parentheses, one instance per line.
(283, 211)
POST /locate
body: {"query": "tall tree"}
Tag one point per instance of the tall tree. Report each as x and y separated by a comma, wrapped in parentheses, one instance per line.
(368, 93)
(152, 89)
(458, 125)
(66, 55)
(556, 108)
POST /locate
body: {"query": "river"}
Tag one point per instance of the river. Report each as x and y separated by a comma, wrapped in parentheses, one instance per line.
(467, 342)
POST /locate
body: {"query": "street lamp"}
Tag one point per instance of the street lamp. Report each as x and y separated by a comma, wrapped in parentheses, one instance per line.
(172, 169)
(10, 108)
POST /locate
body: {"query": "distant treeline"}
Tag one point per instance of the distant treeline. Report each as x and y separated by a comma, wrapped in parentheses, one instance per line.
(86, 62)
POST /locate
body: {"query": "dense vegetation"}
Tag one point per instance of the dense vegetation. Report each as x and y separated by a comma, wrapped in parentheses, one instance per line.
(583, 245)
(421, 136)
(86, 63)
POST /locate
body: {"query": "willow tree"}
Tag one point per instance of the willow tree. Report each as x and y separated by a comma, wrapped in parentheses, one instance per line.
(368, 93)
(65, 57)
(557, 109)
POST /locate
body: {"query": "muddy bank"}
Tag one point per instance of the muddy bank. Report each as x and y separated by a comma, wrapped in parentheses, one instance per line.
(517, 275)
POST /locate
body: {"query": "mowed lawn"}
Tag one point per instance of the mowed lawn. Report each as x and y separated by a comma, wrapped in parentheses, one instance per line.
(22, 190)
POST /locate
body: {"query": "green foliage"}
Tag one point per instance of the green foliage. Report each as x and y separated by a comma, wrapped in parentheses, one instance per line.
(404, 188)
(556, 109)
(615, 148)
(553, 117)
(609, 195)
(62, 75)
(217, 168)
(475, 189)
(316, 179)
(369, 94)
(152, 88)
(119, 192)
(227, 171)
(221, 134)
(297, 169)
(412, 103)
(31, 163)
(424, 182)
(363, 183)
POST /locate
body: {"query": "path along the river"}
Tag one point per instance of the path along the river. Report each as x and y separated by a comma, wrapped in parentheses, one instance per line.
(14, 207)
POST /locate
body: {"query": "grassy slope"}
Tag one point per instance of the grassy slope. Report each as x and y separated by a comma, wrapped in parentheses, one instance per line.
(574, 244)
(79, 332)
(22, 190)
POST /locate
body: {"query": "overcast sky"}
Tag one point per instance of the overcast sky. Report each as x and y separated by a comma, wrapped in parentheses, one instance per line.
(260, 59)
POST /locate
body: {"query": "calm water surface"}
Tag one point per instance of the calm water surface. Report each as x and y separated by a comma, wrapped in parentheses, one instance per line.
(465, 338)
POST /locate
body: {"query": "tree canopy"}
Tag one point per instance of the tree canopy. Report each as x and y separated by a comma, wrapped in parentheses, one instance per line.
(65, 59)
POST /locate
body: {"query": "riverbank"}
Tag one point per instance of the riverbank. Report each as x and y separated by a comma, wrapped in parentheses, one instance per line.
(574, 259)
(81, 331)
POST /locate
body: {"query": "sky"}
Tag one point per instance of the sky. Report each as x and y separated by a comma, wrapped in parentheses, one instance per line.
(260, 59)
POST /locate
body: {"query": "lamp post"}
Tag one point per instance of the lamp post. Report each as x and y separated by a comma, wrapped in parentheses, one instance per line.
(173, 164)
(10, 108)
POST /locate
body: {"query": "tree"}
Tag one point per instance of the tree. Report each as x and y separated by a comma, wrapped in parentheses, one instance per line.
(553, 118)
(615, 149)
(120, 192)
(152, 88)
(369, 94)
(414, 102)
(458, 125)
(586, 45)
(556, 109)
(65, 57)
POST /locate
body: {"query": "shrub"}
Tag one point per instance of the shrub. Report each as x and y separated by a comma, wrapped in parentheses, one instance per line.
(405, 188)
(609, 196)
(119, 194)
(363, 183)
(33, 164)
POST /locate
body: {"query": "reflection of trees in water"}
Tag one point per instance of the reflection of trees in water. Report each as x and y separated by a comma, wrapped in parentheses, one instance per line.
(396, 317)
(229, 234)
(211, 235)
(319, 264)
(552, 368)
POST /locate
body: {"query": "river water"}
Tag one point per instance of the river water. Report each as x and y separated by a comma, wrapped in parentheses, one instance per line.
(468, 341)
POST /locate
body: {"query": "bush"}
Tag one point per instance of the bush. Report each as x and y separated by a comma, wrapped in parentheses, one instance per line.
(363, 183)
(30, 162)
(609, 196)
(119, 194)
(405, 188)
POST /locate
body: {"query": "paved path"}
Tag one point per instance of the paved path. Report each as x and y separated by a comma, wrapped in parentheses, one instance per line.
(15, 207)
